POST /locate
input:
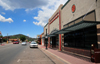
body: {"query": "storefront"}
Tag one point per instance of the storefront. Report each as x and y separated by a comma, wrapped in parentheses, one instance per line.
(75, 26)
(80, 26)
(54, 41)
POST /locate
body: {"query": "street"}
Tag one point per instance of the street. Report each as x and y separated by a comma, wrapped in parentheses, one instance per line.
(18, 54)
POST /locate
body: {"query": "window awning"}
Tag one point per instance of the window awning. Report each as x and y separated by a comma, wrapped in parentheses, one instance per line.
(77, 26)
(51, 35)
(43, 37)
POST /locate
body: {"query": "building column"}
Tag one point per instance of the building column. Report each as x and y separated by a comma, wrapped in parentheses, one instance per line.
(98, 19)
(41, 40)
(44, 41)
(48, 42)
(48, 34)
(62, 42)
(59, 29)
(98, 35)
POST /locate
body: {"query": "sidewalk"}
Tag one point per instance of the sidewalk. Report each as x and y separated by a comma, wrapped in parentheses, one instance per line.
(65, 57)
(4, 44)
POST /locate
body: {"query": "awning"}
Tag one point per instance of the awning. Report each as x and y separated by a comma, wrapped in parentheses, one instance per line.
(77, 26)
(51, 35)
(43, 37)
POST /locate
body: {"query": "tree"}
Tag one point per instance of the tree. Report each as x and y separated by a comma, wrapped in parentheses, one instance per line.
(1, 36)
(4, 40)
(13, 37)
(23, 38)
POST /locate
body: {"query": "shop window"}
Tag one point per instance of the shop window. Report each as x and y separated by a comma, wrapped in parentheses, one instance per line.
(81, 38)
(57, 40)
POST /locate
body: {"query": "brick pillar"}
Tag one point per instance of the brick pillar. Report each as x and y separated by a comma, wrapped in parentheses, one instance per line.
(44, 41)
(98, 35)
(98, 19)
(49, 42)
(49, 33)
(62, 42)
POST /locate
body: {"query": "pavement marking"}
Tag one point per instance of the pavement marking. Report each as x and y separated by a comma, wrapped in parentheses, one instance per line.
(57, 56)
(18, 60)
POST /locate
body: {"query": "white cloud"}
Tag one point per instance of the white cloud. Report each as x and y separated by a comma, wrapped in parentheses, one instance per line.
(26, 4)
(47, 11)
(24, 20)
(34, 36)
(3, 19)
(28, 35)
(48, 7)
(3, 13)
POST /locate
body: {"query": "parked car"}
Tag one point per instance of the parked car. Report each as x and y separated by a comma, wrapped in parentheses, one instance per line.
(33, 44)
(16, 42)
(24, 43)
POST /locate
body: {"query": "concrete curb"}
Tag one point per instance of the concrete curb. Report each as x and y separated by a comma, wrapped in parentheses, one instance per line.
(5, 44)
(55, 56)
(2, 44)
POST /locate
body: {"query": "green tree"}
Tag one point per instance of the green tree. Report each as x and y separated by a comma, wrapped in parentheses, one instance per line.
(1, 36)
(4, 40)
(23, 38)
(13, 37)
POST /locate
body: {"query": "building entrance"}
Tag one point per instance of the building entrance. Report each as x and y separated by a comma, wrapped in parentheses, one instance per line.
(53, 42)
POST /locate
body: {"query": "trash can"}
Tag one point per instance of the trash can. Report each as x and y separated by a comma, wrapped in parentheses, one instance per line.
(95, 54)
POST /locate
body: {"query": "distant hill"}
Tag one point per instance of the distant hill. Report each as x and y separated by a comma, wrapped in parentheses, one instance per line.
(18, 36)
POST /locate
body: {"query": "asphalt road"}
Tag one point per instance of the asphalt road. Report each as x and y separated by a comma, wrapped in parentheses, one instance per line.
(32, 56)
(18, 54)
(9, 52)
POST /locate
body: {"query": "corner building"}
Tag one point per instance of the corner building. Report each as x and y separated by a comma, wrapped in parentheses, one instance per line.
(75, 26)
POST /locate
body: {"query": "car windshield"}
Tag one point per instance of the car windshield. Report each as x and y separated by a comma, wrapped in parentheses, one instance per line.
(24, 42)
(33, 43)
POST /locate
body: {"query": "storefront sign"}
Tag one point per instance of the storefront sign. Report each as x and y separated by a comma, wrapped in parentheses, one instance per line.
(73, 8)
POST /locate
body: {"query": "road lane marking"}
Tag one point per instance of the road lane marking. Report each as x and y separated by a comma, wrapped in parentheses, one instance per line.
(18, 60)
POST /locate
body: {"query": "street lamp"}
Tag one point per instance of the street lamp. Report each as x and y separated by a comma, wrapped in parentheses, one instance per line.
(46, 39)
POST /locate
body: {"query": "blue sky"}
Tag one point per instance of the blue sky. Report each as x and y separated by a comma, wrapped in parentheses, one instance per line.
(26, 17)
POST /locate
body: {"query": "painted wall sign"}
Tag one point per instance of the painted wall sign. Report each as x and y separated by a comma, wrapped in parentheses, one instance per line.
(73, 8)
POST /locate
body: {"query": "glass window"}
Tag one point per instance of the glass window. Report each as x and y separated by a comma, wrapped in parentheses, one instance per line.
(81, 38)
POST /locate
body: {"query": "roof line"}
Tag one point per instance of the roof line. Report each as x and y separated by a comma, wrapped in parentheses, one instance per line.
(65, 4)
(46, 25)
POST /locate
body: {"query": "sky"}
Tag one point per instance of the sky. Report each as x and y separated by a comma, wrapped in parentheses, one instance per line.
(27, 17)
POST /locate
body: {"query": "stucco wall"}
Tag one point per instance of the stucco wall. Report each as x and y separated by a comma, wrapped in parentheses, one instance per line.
(82, 7)
(54, 25)
(98, 11)
(59, 8)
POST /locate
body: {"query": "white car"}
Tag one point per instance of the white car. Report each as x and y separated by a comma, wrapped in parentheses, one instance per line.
(33, 44)
(24, 43)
